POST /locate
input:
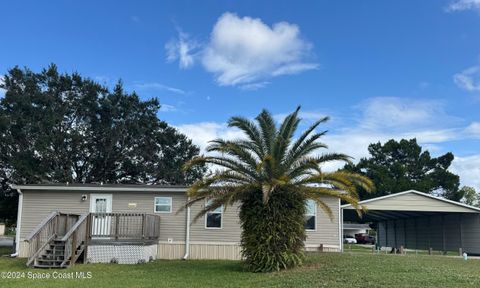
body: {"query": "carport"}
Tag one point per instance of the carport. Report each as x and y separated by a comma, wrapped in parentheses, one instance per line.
(416, 220)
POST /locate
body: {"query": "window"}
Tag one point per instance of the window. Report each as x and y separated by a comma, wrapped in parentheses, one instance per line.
(213, 219)
(163, 204)
(310, 215)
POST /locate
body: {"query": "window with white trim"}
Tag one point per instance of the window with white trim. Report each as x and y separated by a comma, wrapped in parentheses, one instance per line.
(163, 204)
(310, 215)
(213, 219)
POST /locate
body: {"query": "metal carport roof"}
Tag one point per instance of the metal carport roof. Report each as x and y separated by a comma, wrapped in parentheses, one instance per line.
(404, 205)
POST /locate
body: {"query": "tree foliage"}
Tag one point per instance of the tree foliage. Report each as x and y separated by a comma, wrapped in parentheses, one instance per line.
(399, 166)
(470, 196)
(66, 128)
(271, 174)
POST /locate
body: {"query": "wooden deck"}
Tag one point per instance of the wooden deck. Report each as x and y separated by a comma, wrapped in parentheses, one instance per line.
(61, 239)
(124, 226)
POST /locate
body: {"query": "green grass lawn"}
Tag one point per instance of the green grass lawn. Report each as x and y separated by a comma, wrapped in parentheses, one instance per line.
(6, 250)
(320, 270)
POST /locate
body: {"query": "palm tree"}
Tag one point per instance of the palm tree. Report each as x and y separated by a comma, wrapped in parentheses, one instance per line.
(271, 175)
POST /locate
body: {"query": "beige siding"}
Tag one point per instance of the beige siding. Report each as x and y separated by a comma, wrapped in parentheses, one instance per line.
(23, 253)
(38, 204)
(215, 251)
(230, 231)
(414, 202)
(327, 232)
(172, 225)
(170, 251)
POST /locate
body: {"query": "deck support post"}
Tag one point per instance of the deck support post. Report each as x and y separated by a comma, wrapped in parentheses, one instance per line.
(143, 226)
(66, 222)
(74, 249)
(87, 237)
(117, 223)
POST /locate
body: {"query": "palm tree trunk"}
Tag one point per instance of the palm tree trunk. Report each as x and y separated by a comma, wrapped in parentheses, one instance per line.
(273, 233)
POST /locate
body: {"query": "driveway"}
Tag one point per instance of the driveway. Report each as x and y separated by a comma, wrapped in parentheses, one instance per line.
(6, 241)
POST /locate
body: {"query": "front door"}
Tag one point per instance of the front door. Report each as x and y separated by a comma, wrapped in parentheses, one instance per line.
(101, 222)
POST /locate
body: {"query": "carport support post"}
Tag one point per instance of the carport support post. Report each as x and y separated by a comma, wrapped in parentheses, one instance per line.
(444, 243)
(460, 235)
(377, 239)
(386, 235)
(429, 236)
(395, 234)
(416, 235)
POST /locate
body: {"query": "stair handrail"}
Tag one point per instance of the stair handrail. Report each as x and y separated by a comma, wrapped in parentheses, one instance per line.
(75, 227)
(39, 238)
(73, 239)
(42, 224)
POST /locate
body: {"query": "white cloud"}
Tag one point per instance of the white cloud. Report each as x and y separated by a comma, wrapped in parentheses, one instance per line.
(167, 108)
(461, 5)
(468, 168)
(159, 86)
(182, 49)
(402, 119)
(354, 142)
(308, 116)
(473, 129)
(254, 86)
(400, 113)
(468, 79)
(245, 52)
(203, 132)
(383, 118)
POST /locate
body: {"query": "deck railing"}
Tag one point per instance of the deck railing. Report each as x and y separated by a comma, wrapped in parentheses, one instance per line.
(124, 226)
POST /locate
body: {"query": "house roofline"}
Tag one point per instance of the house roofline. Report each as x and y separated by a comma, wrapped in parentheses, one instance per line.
(414, 192)
(104, 187)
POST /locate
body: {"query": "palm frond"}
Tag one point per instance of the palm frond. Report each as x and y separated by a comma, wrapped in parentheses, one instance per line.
(268, 130)
(284, 135)
(307, 132)
(252, 132)
(304, 149)
(233, 149)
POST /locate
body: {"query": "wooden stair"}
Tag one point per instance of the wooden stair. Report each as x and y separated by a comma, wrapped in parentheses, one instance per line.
(54, 255)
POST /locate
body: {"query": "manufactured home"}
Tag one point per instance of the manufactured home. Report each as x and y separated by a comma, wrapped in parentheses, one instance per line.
(61, 224)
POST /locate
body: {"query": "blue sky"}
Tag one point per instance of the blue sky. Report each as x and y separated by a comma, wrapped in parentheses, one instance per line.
(379, 69)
